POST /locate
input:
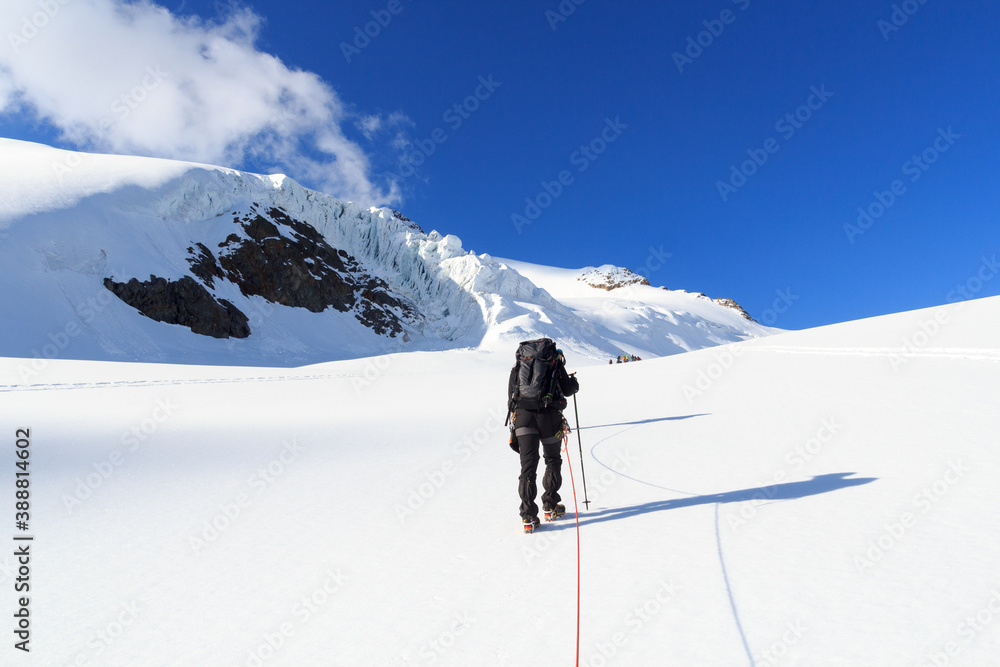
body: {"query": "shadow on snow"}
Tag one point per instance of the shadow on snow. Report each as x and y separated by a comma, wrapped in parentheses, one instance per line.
(788, 491)
(645, 421)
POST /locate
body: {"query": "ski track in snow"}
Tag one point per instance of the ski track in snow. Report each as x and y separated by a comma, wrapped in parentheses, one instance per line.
(159, 383)
(729, 590)
(718, 537)
(971, 354)
(9, 388)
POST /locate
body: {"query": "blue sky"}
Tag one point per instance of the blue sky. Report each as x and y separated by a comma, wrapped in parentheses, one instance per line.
(723, 147)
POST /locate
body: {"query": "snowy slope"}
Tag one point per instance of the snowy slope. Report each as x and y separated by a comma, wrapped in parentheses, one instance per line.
(640, 319)
(826, 497)
(69, 221)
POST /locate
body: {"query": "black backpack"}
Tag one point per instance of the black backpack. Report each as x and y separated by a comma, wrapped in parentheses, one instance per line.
(535, 386)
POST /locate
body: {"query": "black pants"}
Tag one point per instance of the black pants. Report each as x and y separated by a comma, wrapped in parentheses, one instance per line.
(538, 429)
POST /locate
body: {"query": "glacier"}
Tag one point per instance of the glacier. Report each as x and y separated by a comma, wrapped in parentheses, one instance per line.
(71, 220)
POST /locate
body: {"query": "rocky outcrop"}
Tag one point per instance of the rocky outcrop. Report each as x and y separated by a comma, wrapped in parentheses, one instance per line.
(288, 262)
(729, 303)
(185, 302)
(409, 223)
(278, 258)
(609, 278)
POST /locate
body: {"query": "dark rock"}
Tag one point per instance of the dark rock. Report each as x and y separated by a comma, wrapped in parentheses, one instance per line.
(304, 272)
(184, 302)
(204, 266)
(729, 303)
(612, 279)
(260, 228)
(288, 262)
(409, 223)
(274, 256)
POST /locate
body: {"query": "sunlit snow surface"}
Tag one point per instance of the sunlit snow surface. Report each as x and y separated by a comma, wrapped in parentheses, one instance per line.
(826, 497)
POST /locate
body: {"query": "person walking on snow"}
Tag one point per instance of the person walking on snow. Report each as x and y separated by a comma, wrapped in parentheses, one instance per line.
(539, 423)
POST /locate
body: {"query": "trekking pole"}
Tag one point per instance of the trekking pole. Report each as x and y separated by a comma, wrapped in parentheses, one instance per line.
(579, 442)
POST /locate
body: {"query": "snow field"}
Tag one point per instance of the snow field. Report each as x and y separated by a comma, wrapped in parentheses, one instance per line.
(813, 505)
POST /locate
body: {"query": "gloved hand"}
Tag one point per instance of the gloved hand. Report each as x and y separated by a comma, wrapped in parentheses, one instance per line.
(513, 442)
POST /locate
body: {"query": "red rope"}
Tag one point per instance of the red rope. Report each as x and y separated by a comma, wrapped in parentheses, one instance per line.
(576, 511)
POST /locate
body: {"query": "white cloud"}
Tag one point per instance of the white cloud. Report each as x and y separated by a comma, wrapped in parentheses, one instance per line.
(401, 142)
(379, 125)
(130, 77)
(369, 125)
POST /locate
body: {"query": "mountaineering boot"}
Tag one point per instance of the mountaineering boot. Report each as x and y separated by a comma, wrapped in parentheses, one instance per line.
(530, 523)
(553, 513)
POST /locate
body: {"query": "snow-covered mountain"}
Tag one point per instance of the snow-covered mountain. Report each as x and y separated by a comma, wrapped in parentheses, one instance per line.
(135, 259)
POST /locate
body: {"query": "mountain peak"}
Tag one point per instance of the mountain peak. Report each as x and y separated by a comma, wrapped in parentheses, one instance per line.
(609, 277)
